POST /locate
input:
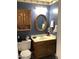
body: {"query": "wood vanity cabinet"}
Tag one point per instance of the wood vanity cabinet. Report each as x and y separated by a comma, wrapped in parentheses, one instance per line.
(23, 19)
(44, 48)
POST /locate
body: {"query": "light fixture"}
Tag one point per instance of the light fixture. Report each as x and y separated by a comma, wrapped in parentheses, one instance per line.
(40, 10)
(55, 11)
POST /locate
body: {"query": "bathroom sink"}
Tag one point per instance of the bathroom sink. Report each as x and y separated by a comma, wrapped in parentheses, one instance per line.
(43, 37)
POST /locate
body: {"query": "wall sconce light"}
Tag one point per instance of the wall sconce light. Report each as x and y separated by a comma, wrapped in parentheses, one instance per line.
(55, 11)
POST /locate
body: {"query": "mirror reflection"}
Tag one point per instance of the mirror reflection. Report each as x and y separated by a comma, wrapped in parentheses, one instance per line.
(41, 23)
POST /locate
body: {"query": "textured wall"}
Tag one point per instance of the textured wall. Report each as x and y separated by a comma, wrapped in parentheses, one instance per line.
(32, 8)
(49, 15)
(52, 15)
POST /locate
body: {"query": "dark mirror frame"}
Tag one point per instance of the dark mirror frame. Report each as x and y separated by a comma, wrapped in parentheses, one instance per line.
(36, 23)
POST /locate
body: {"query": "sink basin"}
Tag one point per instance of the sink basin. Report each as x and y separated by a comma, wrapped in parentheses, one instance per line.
(43, 37)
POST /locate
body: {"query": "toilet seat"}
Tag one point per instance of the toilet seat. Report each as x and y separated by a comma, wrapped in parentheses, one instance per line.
(25, 53)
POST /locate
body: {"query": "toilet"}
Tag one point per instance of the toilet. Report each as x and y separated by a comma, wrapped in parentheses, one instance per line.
(24, 47)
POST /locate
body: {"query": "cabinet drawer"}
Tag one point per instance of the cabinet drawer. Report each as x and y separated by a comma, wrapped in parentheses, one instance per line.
(45, 43)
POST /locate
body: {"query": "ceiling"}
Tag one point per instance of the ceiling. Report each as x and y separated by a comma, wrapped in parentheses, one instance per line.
(44, 2)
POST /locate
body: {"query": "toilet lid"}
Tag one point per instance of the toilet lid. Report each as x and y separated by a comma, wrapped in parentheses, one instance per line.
(25, 53)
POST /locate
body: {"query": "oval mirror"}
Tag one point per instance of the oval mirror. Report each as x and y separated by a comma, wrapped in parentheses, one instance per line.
(41, 23)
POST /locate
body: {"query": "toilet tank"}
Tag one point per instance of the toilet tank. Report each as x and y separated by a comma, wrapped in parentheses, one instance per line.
(24, 45)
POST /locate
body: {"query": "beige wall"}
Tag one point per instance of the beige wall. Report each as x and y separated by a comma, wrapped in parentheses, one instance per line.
(58, 53)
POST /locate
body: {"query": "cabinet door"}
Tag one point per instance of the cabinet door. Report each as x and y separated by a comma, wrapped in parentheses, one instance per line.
(20, 19)
(26, 19)
(44, 48)
(23, 19)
